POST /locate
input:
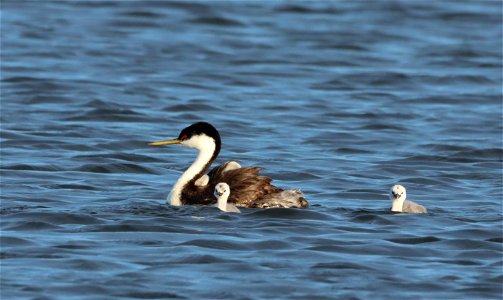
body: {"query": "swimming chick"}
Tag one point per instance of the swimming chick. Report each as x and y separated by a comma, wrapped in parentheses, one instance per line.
(399, 203)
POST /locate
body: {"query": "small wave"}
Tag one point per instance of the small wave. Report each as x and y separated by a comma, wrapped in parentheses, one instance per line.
(17, 209)
(415, 240)
(496, 240)
(127, 228)
(455, 99)
(491, 154)
(25, 79)
(53, 218)
(147, 295)
(461, 262)
(107, 111)
(91, 265)
(299, 9)
(289, 213)
(132, 23)
(361, 194)
(341, 266)
(270, 244)
(142, 14)
(10, 241)
(425, 181)
(42, 99)
(471, 156)
(382, 79)
(336, 84)
(116, 168)
(76, 245)
(26, 167)
(470, 17)
(189, 108)
(215, 244)
(32, 225)
(471, 244)
(121, 156)
(70, 187)
(446, 147)
(39, 85)
(372, 219)
(107, 115)
(349, 150)
(106, 105)
(251, 62)
(202, 259)
(216, 21)
(328, 138)
(381, 126)
(463, 79)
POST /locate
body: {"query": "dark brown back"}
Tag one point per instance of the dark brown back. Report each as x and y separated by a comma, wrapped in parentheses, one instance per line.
(245, 183)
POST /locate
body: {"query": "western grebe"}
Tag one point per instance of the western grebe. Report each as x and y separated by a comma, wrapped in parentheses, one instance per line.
(399, 203)
(247, 187)
(222, 192)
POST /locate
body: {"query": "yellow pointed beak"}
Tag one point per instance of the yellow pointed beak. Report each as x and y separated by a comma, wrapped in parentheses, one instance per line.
(168, 142)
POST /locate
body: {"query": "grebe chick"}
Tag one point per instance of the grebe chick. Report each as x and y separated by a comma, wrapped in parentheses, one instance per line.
(249, 189)
(399, 203)
(222, 192)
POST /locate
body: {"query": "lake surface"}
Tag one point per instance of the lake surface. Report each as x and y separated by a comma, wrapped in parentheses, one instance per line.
(340, 99)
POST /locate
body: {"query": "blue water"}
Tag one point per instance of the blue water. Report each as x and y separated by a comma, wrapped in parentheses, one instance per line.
(341, 99)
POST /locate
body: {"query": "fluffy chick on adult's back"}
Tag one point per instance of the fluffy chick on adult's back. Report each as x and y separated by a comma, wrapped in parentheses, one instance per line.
(222, 192)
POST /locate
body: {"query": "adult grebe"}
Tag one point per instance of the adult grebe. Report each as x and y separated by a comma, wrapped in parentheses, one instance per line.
(399, 203)
(222, 192)
(247, 188)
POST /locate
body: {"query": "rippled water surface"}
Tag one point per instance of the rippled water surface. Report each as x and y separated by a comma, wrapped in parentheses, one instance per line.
(341, 99)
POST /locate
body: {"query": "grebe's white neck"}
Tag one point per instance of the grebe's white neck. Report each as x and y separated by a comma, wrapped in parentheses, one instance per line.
(206, 146)
(397, 195)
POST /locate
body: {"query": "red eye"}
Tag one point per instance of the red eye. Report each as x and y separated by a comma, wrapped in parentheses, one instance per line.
(184, 137)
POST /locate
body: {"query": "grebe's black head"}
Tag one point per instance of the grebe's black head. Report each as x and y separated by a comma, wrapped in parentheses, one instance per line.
(199, 128)
(200, 135)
